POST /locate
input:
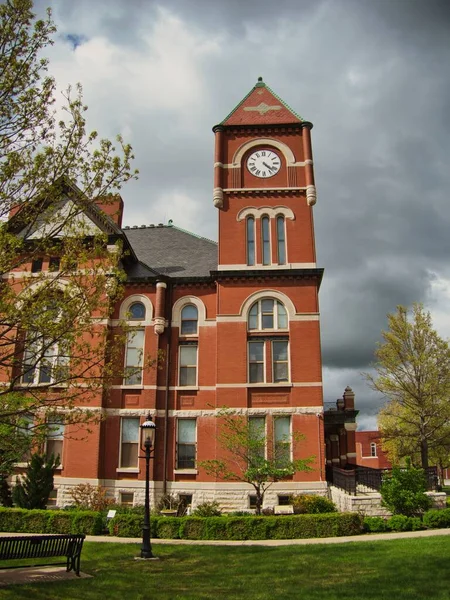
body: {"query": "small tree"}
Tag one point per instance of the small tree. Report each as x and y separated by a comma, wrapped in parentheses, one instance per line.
(34, 489)
(248, 461)
(403, 491)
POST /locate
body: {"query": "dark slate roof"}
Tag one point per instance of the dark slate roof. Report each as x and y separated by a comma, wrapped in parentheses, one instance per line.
(170, 251)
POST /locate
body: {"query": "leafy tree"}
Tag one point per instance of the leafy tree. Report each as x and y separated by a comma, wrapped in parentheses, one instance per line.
(252, 456)
(403, 491)
(52, 171)
(413, 373)
(33, 490)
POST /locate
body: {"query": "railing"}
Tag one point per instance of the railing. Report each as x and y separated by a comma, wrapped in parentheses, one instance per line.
(365, 479)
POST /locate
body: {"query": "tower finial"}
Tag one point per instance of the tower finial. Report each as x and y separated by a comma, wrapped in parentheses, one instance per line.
(260, 78)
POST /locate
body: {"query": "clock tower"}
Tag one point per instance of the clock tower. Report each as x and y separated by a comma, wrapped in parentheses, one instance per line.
(268, 335)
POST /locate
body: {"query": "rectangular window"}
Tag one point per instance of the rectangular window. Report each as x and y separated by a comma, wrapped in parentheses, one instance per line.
(53, 263)
(36, 265)
(281, 241)
(252, 501)
(257, 435)
(186, 443)
(188, 365)
(280, 362)
(52, 499)
(250, 241)
(134, 357)
(256, 362)
(284, 500)
(129, 447)
(126, 498)
(282, 440)
(373, 449)
(44, 361)
(265, 234)
(55, 438)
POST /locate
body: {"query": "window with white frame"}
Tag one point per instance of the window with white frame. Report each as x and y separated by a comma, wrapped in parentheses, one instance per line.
(282, 440)
(265, 239)
(281, 240)
(189, 320)
(259, 361)
(257, 438)
(188, 354)
(251, 254)
(55, 438)
(373, 449)
(186, 443)
(267, 314)
(44, 361)
(134, 357)
(126, 498)
(129, 443)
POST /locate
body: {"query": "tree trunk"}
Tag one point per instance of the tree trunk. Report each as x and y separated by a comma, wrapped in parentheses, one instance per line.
(259, 501)
(424, 452)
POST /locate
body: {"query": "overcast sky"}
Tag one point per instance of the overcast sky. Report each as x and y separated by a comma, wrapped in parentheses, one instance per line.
(374, 78)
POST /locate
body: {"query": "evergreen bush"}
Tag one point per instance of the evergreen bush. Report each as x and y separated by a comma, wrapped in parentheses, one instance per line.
(20, 520)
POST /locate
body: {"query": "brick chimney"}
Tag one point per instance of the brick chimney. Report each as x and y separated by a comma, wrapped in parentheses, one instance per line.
(112, 206)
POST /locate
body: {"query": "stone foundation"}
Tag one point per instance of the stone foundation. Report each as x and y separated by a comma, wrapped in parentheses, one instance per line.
(369, 503)
(230, 496)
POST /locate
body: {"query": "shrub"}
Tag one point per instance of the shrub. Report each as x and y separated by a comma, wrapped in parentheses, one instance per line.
(404, 523)
(375, 524)
(60, 521)
(168, 528)
(193, 528)
(50, 521)
(126, 525)
(437, 519)
(90, 497)
(87, 521)
(311, 504)
(403, 492)
(207, 509)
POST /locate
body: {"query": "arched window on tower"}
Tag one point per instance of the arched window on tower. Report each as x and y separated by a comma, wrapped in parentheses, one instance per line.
(265, 236)
(250, 241)
(281, 241)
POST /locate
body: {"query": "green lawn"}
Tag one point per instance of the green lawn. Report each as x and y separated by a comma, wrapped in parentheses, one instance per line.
(398, 569)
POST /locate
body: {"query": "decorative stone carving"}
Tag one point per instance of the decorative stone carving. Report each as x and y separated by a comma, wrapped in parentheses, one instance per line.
(311, 196)
(218, 197)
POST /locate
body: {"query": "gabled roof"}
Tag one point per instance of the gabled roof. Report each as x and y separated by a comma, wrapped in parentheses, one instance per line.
(26, 221)
(261, 106)
(170, 251)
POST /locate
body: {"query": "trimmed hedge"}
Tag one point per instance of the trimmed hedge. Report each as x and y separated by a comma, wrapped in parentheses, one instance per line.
(437, 519)
(240, 528)
(21, 520)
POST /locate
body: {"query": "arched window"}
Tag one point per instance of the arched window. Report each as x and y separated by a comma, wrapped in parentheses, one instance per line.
(137, 311)
(265, 236)
(189, 320)
(281, 241)
(267, 314)
(250, 241)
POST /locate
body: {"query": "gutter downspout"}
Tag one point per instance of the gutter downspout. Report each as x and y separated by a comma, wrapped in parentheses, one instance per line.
(166, 395)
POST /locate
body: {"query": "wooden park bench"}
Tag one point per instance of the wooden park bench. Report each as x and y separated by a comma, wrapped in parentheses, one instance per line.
(43, 546)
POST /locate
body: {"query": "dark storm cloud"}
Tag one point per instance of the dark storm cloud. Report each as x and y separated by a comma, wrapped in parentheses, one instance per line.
(373, 78)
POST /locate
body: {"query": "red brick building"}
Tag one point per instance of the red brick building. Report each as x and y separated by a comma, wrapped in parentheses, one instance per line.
(369, 452)
(238, 321)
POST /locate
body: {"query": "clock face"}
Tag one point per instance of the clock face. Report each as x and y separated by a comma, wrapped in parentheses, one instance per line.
(263, 163)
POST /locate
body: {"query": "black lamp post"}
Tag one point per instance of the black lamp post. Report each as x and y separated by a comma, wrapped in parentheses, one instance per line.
(147, 444)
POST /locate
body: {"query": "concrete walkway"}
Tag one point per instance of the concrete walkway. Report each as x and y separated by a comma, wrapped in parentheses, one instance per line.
(372, 537)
